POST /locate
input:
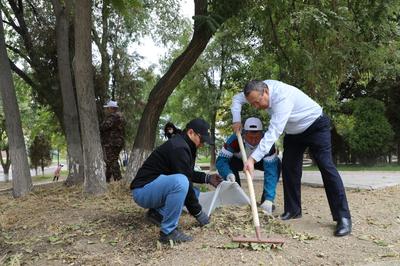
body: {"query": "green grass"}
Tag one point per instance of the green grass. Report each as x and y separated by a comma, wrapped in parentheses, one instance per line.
(203, 160)
(380, 167)
(47, 177)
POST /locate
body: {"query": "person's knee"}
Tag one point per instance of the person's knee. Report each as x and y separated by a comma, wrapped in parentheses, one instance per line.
(181, 182)
(326, 164)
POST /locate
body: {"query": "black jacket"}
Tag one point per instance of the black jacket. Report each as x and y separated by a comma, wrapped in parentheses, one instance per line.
(176, 156)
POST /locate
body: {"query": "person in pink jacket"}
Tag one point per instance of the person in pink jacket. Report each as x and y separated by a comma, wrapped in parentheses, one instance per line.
(57, 172)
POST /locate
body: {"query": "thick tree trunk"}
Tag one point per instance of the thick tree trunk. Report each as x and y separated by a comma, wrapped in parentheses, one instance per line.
(70, 110)
(22, 181)
(95, 180)
(145, 137)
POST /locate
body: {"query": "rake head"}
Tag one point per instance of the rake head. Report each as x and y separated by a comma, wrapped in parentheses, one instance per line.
(258, 239)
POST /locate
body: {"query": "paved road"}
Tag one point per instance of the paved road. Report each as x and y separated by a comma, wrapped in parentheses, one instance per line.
(352, 179)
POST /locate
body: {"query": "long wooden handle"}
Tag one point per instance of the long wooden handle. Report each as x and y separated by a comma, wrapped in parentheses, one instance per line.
(249, 183)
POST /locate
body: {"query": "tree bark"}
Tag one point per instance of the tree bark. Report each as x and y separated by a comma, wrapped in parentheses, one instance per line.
(145, 137)
(70, 110)
(95, 180)
(22, 181)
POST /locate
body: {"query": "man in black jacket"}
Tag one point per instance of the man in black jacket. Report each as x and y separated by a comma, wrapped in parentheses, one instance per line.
(164, 182)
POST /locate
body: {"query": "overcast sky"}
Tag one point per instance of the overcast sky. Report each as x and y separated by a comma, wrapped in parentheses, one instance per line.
(153, 53)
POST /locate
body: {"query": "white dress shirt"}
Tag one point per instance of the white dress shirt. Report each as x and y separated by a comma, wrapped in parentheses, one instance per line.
(291, 110)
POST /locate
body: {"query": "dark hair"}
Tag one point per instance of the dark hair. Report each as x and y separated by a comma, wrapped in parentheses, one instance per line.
(254, 85)
(175, 130)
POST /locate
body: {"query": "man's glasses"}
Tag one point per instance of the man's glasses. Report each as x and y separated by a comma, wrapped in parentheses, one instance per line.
(201, 139)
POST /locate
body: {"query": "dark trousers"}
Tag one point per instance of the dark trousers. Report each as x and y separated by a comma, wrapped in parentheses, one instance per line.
(318, 139)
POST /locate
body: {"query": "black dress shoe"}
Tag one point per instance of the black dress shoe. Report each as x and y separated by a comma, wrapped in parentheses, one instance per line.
(289, 215)
(343, 227)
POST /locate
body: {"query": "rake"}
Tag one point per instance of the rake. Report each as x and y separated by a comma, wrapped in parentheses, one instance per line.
(256, 220)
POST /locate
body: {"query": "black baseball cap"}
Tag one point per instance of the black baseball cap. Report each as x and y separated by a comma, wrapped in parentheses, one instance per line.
(201, 127)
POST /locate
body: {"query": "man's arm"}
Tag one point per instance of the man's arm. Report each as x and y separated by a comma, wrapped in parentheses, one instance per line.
(237, 101)
(279, 118)
(225, 155)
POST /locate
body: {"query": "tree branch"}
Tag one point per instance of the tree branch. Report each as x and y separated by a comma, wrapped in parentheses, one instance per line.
(19, 52)
(10, 20)
(22, 75)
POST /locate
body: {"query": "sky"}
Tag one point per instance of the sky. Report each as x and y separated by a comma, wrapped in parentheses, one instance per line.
(152, 52)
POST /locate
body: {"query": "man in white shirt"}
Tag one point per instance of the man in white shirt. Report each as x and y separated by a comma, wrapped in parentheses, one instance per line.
(305, 125)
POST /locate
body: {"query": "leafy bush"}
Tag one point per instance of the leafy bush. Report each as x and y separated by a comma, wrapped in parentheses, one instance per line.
(372, 134)
(40, 152)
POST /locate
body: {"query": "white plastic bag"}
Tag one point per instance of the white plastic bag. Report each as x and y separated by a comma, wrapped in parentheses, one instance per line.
(227, 193)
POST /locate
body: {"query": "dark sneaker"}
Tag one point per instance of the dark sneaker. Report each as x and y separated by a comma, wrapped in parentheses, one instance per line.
(154, 217)
(176, 236)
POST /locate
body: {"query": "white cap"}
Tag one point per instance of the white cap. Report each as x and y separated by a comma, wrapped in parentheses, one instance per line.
(253, 124)
(111, 104)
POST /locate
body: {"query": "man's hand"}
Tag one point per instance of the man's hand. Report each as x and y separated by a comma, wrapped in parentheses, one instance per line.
(236, 127)
(202, 218)
(231, 177)
(249, 165)
(215, 179)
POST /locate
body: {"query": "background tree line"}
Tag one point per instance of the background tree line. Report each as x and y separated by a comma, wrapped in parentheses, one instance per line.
(344, 54)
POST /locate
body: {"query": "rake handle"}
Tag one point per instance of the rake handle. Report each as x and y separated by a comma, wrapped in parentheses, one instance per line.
(254, 211)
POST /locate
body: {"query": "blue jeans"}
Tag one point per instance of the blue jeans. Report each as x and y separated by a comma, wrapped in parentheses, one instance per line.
(272, 171)
(166, 194)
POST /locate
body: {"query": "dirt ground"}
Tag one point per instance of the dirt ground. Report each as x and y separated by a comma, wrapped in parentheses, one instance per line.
(59, 226)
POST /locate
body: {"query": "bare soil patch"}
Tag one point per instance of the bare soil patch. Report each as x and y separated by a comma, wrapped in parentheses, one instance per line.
(58, 226)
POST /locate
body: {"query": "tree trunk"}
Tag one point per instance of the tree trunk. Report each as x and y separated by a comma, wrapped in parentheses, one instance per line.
(22, 181)
(70, 110)
(145, 137)
(95, 180)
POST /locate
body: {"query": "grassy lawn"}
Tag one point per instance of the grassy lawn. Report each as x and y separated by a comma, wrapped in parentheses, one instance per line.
(36, 179)
(203, 159)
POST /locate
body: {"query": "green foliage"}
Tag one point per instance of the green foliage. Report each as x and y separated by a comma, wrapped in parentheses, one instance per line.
(133, 89)
(372, 133)
(40, 151)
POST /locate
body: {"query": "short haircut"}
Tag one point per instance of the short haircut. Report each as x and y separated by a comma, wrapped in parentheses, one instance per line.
(254, 85)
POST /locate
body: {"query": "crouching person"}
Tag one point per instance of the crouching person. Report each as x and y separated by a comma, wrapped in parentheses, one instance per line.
(164, 185)
(229, 161)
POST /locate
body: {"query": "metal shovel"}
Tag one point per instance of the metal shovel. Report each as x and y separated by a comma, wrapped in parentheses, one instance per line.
(258, 238)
